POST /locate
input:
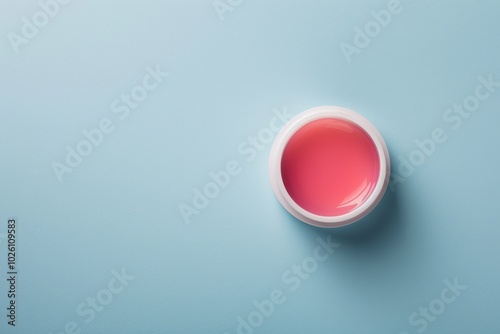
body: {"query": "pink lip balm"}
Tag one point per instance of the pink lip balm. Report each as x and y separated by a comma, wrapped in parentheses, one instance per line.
(329, 166)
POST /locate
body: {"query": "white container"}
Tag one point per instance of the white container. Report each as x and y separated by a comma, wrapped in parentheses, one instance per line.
(275, 166)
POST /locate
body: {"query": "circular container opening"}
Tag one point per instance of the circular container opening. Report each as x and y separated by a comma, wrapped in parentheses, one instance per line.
(330, 166)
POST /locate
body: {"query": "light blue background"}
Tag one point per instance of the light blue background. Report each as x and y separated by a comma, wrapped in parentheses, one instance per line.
(119, 208)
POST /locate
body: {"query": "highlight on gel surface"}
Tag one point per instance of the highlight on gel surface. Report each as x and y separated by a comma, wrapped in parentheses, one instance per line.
(330, 166)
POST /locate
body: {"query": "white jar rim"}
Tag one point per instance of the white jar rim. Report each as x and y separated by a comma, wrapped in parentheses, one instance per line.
(286, 134)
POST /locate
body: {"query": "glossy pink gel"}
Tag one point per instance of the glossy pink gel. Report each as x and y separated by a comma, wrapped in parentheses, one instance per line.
(330, 166)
